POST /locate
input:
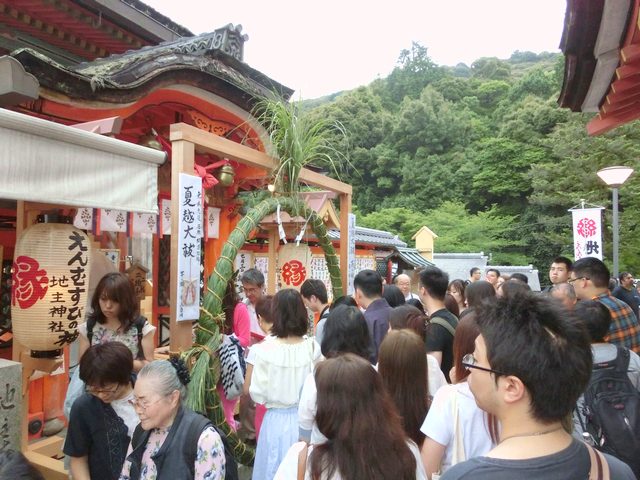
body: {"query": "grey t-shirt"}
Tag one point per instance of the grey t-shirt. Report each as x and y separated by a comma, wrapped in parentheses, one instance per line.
(572, 463)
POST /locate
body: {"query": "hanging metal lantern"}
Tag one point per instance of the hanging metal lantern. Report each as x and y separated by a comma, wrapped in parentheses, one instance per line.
(49, 286)
(226, 175)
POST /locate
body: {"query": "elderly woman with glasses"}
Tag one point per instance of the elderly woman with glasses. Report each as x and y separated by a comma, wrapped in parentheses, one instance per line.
(455, 428)
(102, 420)
(171, 442)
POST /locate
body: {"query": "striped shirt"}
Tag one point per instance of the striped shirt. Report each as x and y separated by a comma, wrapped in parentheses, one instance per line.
(624, 329)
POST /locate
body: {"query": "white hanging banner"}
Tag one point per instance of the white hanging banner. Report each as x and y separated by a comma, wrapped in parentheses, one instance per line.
(351, 272)
(587, 233)
(113, 220)
(84, 219)
(144, 223)
(190, 234)
(213, 222)
(165, 216)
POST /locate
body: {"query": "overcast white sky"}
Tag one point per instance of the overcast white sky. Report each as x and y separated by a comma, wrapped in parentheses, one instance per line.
(321, 47)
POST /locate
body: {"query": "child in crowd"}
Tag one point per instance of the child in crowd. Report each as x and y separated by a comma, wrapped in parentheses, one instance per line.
(265, 320)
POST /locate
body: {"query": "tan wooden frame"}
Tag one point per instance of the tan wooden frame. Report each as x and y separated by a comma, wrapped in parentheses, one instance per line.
(186, 139)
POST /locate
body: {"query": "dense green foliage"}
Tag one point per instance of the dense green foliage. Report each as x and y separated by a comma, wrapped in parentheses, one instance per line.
(483, 156)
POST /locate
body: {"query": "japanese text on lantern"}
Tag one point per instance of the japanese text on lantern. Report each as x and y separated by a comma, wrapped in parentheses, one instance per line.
(190, 231)
(67, 300)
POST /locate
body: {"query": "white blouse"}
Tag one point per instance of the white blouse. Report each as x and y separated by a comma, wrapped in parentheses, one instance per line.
(280, 369)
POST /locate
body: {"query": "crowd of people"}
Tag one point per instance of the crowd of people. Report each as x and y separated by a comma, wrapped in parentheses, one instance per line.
(476, 378)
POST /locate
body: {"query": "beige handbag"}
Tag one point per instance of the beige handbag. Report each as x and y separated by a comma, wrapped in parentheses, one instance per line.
(457, 447)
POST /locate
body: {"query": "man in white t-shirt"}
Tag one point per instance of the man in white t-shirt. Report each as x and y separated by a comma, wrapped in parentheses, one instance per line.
(403, 282)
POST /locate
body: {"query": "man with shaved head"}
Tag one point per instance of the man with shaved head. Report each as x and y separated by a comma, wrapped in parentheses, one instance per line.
(403, 282)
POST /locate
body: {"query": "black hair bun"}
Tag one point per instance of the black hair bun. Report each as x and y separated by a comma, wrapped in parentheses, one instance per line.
(181, 369)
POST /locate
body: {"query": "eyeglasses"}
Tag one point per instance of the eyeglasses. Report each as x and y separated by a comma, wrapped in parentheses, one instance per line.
(143, 404)
(98, 391)
(571, 281)
(251, 289)
(469, 362)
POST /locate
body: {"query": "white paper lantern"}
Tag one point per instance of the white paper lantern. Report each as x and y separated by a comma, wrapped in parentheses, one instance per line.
(49, 286)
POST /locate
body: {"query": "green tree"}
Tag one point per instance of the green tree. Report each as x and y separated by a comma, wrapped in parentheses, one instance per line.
(491, 68)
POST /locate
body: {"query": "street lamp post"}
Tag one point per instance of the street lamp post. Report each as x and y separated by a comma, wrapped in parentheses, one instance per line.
(614, 177)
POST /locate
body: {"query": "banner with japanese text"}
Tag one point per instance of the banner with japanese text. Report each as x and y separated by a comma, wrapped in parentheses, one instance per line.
(352, 268)
(190, 235)
(587, 232)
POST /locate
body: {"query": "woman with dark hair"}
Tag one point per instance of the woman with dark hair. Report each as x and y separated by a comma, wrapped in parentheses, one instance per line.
(102, 420)
(455, 428)
(280, 368)
(172, 441)
(345, 332)
(451, 304)
(477, 292)
(393, 295)
(414, 302)
(456, 289)
(406, 317)
(346, 300)
(365, 439)
(237, 324)
(402, 364)
(115, 317)
(265, 321)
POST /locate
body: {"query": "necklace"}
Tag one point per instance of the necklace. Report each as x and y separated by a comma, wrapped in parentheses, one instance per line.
(533, 434)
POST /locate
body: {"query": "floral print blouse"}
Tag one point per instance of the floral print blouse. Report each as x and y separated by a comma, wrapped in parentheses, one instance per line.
(210, 459)
(102, 334)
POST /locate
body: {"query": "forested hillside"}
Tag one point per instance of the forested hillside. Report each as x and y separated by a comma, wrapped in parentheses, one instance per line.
(483, 156)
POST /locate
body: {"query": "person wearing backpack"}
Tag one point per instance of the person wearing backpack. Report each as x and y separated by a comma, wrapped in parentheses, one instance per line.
(442, 323)
(173, 442)
(116, 316)
(608, 413)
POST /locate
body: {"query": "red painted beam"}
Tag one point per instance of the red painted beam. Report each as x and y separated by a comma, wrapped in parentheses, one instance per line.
(630, 53)
(601, 125)
(627, 71)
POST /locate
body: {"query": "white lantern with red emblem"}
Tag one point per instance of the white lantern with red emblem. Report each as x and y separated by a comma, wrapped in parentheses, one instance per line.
(294, 265)
(49, 286)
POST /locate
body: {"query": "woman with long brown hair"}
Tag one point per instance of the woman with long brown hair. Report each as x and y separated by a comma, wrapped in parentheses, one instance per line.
(365, 438)
(411, 318)
(455, 428)
(402, 365)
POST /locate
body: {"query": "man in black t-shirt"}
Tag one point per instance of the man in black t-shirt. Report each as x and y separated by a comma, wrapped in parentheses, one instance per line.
(442, 323)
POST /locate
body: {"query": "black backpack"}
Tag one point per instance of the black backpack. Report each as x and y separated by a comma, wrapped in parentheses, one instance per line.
(191, 446)
(611, 412)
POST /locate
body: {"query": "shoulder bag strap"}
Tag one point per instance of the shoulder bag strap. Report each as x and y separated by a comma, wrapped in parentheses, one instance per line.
(599, 466)
(302, 461)
(443, 323)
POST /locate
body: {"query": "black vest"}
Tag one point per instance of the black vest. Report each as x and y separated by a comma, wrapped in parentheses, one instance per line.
(171, 461)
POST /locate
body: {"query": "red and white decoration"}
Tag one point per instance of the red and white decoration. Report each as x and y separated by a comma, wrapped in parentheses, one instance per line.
(587, 232)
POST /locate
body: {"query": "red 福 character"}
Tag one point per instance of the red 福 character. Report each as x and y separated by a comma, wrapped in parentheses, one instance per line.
(293, 273)
(29, 284)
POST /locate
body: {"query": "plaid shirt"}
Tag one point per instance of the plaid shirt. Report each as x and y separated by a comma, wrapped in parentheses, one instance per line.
(624, 330)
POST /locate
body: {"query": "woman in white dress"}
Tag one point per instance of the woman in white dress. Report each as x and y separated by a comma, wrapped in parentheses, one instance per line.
(365, 439)
(279, 370)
